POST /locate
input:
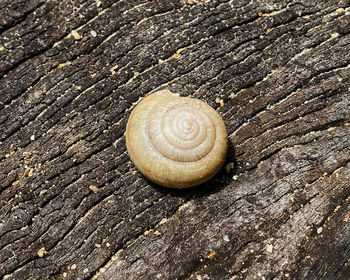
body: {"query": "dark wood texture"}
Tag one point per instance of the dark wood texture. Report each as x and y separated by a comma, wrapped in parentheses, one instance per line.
(73, 206)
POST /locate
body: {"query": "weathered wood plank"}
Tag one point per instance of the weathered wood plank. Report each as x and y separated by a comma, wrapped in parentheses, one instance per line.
(73, 206)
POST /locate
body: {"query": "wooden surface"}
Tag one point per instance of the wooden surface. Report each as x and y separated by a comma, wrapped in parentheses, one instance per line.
(73, 206)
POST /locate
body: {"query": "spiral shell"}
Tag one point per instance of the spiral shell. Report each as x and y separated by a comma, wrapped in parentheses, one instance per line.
(176, 141)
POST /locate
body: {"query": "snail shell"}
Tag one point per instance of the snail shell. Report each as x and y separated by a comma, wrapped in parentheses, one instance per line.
(174, 141)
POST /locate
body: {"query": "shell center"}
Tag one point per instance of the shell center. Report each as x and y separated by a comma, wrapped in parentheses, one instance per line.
(187, 125)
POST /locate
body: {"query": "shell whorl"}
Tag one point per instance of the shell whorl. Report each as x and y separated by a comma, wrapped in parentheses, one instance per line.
(181, 131)
(176, 141)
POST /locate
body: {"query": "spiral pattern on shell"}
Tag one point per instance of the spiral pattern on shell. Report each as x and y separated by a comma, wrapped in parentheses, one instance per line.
(176, 141)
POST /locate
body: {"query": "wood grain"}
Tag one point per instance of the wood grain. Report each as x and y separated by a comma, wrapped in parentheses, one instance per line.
(73, 206)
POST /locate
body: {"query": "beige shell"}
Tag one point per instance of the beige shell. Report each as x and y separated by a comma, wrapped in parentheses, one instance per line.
(176, 142)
